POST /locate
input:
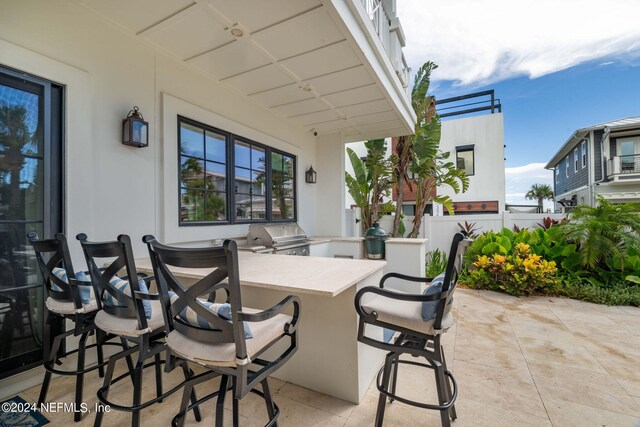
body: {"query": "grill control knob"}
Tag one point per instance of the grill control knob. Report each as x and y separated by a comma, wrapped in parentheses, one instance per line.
(305, 252)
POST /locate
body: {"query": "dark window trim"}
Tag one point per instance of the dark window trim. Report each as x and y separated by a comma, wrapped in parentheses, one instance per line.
(53, 102)
(467, 148)
(230, 140)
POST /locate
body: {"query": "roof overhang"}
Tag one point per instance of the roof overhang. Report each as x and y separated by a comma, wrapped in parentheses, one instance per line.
(309, 61)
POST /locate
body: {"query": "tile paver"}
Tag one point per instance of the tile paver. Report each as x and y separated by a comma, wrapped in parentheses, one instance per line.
(534, 361)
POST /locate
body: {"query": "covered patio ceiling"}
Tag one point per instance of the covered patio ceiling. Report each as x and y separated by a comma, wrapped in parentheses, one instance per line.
(298, 59)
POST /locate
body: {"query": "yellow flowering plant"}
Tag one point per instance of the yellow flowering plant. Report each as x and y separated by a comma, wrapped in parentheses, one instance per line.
(519, 273)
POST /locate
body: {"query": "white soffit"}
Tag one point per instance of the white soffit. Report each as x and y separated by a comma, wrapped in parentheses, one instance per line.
(289, 56)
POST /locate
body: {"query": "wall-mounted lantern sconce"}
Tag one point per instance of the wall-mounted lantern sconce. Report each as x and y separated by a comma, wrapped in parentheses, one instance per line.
(310, 176)
(135, 131)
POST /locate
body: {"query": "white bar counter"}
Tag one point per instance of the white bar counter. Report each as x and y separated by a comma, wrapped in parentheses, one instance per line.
(329, 359)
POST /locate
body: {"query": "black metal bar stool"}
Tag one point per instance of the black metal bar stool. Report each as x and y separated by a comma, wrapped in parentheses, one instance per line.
(421, 319)
(71, 299)
(131, 312)
(227, 339)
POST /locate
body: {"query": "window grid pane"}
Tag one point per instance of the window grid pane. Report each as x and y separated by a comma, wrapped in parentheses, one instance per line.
(205, 177)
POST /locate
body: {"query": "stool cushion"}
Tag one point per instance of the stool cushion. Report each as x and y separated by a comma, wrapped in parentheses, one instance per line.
(223, 311)
(129, 326)
(406, 314)
(68, 307)
(86, 291)
(224, 354)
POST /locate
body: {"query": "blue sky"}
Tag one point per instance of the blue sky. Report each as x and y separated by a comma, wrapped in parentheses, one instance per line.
(541, 113)
(556, 65)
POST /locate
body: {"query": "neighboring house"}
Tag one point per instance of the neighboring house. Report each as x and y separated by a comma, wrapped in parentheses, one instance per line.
(247, 94)
(601, 159)
(475, 144)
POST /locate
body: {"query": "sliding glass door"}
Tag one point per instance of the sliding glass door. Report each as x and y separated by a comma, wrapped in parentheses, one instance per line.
(30, 199)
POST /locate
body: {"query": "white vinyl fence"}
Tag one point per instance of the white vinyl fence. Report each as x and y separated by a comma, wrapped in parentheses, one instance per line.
(439, 230)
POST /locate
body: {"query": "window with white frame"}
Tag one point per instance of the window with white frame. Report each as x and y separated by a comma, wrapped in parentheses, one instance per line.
(566, 167)
(558, 174)
(575, 159)
(583, 147)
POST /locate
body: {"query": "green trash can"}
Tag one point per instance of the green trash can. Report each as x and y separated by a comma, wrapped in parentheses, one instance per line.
(374, 239)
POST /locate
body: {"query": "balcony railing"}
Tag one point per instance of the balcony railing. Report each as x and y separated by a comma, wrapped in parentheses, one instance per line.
(382, 25)
(620, 165)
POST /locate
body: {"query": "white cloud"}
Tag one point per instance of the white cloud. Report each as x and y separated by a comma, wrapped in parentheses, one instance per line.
(481, 41)
(519, 180)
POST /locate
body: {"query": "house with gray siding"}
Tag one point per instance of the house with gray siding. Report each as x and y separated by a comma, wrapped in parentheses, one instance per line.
(601, 159)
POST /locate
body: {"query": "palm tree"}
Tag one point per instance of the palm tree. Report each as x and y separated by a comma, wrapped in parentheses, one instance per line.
(608, 231)
(539, 192)
(15, 138)
(420, 155)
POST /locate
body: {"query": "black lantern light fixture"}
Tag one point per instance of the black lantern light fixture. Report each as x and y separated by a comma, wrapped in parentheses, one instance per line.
(310, 176)
(135, 131)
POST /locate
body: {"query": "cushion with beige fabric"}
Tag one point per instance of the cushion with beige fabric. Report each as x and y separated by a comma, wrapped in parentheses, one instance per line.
(129, 326)
(68, 307)
(406, 314)
(224, 354)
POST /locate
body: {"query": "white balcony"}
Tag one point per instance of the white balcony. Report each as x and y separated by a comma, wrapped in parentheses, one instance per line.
(624, 168)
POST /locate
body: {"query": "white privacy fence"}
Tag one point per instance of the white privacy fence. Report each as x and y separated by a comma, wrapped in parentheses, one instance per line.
(439, 230)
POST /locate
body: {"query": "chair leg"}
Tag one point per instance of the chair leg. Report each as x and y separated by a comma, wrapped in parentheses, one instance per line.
(158, 368)
(452, 410)
(382, 400)
(236, 404)
(137, 391)
(191, 393)
(100, 339)
(441, 387)
(125, 346)
(394, 377)
(80, 377)
(268, 400)
(53, 356)
(105, 385)
(224, 382)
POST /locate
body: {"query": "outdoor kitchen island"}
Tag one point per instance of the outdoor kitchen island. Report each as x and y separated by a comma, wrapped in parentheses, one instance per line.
(329, 358)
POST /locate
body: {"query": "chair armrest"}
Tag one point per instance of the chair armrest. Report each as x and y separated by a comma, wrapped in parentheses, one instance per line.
(405, 277)
(146, 296)
(276, 309)
(212, 293)
(399, 296)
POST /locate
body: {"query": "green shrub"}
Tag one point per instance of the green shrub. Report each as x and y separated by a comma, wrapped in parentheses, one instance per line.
(519, 273)
(436, 262)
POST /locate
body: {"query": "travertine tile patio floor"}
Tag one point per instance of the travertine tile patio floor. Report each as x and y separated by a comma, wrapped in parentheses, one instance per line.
(518, 362)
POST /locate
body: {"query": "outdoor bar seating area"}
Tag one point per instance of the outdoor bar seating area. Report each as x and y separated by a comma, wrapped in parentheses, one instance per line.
(190, 314)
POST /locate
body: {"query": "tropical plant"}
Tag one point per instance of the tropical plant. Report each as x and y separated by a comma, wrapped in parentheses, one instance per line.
(519, 273)
(540, 192)
(371, 182)
(469, 229)
(418, 154)
(549, 222)
(15, 140)
(607, 231)
(436, 262)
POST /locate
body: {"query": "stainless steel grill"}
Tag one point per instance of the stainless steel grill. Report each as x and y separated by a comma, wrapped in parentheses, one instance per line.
(284, 239)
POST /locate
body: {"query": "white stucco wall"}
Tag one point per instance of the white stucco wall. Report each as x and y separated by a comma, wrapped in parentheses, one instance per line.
(111, 188)
(486, 133)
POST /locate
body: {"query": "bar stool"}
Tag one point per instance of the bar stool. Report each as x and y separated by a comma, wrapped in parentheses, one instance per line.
(72, 299)
(421, 320)
(227, 339)
(131, 312)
